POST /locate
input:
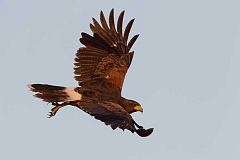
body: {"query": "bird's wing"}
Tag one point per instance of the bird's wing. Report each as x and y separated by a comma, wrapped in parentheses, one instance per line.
(114, 115)
(110, 113)
(106, 53)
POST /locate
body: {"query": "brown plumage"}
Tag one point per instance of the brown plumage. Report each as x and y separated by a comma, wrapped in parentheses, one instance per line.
(100, 69)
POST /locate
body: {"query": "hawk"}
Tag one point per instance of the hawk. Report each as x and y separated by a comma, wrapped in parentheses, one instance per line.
(100, 69)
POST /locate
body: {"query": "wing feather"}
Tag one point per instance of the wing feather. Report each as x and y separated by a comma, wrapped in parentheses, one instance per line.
(111, 21)
(110, 113)
(132, 41)
(103, 21)
(102, 33)
(106, 52)
(127, 30)
(119, 23)
(114, 115)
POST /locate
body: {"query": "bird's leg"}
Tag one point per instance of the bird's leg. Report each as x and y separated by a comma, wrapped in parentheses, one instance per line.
(137, 124)
(56, 108)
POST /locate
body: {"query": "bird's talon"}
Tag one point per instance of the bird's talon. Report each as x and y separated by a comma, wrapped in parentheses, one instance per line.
(53, 111)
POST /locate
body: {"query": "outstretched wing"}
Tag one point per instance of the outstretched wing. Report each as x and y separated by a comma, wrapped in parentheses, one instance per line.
(106, 53)
(114, 115)
(110, 113)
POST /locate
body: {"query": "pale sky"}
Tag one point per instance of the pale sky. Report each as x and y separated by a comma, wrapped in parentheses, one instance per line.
(185, 73)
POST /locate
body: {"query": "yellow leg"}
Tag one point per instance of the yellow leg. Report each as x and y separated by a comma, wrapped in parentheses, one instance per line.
(57, 107)
(54, 111)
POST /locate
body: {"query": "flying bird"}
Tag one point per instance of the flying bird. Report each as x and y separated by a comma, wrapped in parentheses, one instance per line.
(100, 69)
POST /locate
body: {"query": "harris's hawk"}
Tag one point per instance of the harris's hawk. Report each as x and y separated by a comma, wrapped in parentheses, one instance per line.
(100, 69)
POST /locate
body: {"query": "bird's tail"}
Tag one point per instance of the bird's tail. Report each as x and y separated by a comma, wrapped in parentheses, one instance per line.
(49, 93)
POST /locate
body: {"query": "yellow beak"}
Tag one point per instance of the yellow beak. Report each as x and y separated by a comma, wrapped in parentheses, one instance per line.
(138, 108)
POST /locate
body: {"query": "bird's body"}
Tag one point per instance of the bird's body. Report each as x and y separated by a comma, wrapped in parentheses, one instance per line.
(100, 70)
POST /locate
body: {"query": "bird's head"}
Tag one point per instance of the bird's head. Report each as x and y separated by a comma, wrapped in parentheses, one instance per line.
(138, 108)
(133, 106)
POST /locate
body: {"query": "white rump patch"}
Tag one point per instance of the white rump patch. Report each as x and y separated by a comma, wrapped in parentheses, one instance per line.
(73, 95)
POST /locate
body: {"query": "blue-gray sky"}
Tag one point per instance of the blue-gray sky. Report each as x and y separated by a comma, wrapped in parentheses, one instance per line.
(185, 73)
